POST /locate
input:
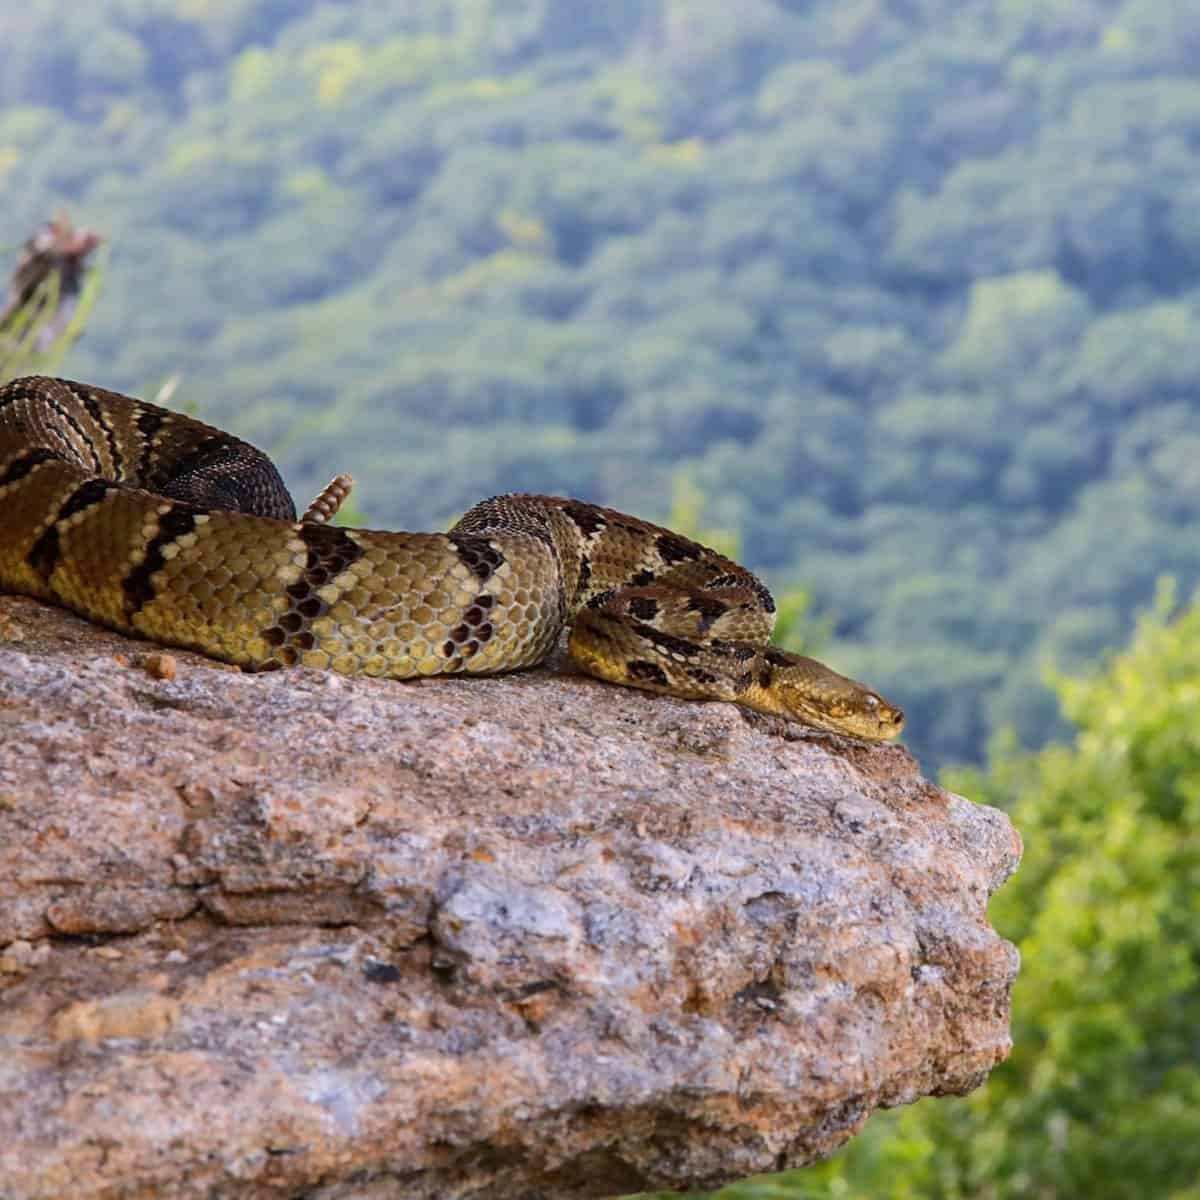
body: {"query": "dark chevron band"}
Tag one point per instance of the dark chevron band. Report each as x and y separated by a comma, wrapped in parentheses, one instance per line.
(668, 643)
(478, 554)
(68, 418)
(138, 585)
(23, 464)
(587, 520)
(96, 412)
(149, 422)
(330, 551)
(645, 608)
(201, 455)
(673, 549)
(647, 672)
(43, 555)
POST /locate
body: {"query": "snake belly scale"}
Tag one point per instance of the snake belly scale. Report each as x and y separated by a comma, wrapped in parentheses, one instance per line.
(156, 524)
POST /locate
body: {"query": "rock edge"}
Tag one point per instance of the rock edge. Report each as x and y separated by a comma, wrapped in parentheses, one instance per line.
(531, 936)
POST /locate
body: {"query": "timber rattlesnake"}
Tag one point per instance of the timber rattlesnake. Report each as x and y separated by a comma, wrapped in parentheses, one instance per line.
(156, 524)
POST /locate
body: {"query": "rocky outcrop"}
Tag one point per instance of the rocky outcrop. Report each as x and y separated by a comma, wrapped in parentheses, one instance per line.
(292, 934)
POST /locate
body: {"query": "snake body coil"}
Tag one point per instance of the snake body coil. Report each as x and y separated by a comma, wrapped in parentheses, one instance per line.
(156, 524)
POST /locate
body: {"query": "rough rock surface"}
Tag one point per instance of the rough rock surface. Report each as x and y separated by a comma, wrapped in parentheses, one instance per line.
(534, 936)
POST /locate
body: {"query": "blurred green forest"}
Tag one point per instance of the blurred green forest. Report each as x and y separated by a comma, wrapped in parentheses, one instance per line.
(907, 289)
(1101, 1097)
(901, 296)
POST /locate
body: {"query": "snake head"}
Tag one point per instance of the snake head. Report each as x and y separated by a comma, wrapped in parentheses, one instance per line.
(870, 716)
(805, 690)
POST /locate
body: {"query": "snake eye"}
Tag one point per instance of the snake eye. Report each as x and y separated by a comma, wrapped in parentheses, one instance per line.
(872, 701)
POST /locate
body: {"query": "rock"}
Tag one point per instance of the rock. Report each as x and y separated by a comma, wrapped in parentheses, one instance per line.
(531, 936)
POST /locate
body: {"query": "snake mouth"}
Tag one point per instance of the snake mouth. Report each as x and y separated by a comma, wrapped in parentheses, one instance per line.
(870, 723)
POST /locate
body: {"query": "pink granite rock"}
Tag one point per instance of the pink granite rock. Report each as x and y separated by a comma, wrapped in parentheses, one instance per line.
(294, 934)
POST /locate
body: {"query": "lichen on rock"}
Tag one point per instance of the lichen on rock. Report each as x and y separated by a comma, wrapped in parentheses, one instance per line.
(261, 935)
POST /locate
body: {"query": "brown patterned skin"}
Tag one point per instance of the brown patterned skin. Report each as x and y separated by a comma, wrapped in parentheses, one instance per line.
(159, 525)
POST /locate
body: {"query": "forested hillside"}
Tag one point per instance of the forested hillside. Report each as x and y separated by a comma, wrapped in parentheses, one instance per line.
(1101, 1097)
(907, 288)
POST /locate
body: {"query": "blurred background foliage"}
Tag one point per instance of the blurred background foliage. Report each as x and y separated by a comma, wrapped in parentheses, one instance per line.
(907, 289)
(23, 351)
(50, 298)
(899, 299)
(1101, 1097)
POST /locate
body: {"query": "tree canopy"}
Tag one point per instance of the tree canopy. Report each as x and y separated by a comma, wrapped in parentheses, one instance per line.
(906, 288)
(1101, 1096)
